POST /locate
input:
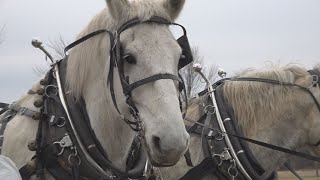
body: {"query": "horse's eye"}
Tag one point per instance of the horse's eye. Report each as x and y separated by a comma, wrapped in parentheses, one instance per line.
(130, 59)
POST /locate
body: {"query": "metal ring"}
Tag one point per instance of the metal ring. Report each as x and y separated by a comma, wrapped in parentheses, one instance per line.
(134, 112)
(77, 158)
(235, 171)
(217, 158)
(218, 138)
(62, 148)
(47, 88)
(60, 125)
(206, 110)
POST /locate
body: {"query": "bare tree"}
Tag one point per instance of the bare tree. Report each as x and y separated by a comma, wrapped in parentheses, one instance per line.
(2, 34)
(193, 81)
(57, 46)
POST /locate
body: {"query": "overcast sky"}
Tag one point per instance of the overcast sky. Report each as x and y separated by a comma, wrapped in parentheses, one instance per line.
(233, 34)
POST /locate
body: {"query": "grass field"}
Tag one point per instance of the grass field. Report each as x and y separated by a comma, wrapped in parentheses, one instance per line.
(306, 174)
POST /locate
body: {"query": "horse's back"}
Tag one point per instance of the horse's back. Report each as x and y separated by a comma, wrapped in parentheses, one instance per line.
(20, 130)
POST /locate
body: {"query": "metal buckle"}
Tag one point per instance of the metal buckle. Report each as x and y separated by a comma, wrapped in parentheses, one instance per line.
(64, 143)
(315, 80)
(22, 110)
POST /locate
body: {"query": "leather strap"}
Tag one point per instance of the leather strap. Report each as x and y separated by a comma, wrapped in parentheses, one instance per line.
(131, 87)
(25, 111)
(270, 146)
(289, 167)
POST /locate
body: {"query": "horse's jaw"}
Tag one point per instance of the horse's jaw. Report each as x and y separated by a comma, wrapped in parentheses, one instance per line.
(113, 133)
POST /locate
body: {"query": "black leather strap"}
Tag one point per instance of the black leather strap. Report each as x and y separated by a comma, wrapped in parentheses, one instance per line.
(4, 107)
(289, 167)
(270, 146)
(131, 87)
(86, 37)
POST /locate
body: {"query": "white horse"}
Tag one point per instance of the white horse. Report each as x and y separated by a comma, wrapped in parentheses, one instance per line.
(155, 51)
(284, 116)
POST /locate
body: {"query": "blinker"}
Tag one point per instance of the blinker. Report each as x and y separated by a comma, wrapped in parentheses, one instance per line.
(187, 57)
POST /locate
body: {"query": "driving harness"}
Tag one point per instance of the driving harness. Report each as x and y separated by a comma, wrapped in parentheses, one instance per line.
(66, 144)
(235, 161)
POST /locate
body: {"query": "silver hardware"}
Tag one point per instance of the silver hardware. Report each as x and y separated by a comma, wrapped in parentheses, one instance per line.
(37, 43)
(209, 109)
(225, 155)
(82, 147)
(52, 119)
(222, 73)
(315, 80)
(75, 156)
(218, 159)
(146, 169)
(47, 88)
(7, 117)
(232, 170)
(63, 120)
(239, 152)
(227, 119)
(210, 133)
(221, 125)
(197, 67)
(221, 137)
(22, 110)
(65, 142)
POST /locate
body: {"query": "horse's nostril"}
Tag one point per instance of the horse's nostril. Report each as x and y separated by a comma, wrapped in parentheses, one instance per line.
(156, 142)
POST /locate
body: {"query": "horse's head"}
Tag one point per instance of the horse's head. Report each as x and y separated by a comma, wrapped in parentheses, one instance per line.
(149, 49)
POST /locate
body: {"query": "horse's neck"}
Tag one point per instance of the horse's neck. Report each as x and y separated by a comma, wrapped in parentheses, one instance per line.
(89, 62)
(271, 160)
(114, 135)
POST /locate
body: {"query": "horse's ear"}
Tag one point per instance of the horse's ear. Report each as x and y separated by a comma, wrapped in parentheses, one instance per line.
(118, 8)
(174, 7)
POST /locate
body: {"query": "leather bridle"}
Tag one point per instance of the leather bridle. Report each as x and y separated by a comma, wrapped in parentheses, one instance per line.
(116, 62)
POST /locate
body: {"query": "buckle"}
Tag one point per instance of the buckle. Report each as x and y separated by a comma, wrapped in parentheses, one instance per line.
(315, 81)
(22, 110)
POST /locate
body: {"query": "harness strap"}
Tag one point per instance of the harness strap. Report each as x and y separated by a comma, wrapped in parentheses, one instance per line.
(289, 167)
(270, 146)
(4, 107)
(25, 111)
(187, 157)
(84, 38)
(208, 165)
